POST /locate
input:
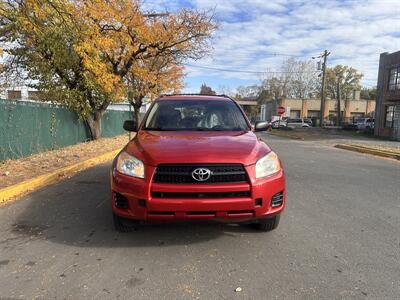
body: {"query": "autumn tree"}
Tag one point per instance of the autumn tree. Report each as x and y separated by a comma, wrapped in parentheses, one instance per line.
(41, 39)
(206, 90)
(251, 91)
(368, 93)
(273, 87)
(226, 90)
(150, 78)
(294, 79)
(303, 78)
(348, 78)
(140, 47)
(83, 53)
(1, 64)
(341, 82)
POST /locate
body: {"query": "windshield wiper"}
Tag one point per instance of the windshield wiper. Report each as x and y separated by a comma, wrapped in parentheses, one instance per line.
(216, 129)
(201, 129)
(193, 129)
(236, 129)
(154, 128)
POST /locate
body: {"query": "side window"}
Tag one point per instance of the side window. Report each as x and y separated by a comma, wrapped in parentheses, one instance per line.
(394, 79)
(389, 116)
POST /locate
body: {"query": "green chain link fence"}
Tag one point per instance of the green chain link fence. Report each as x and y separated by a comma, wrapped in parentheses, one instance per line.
(32, 127)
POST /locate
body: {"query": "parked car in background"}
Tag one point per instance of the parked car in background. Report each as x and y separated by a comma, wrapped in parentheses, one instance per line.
(297, 123)
(349, 126)
(308, 121)
(328, 123)
(278, 124)
(365, 123)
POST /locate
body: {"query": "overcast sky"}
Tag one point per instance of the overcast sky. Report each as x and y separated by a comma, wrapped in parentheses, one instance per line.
(257, 35)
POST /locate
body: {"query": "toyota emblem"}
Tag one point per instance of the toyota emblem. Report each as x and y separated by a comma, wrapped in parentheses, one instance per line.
(201, 174)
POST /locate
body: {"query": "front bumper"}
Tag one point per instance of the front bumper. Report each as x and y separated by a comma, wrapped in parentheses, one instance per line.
(144, 200)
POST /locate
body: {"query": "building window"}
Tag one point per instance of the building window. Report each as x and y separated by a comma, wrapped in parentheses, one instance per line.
(394, 79)
(389, 116)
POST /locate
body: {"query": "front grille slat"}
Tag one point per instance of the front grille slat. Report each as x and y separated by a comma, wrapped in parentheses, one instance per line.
(228, 173)
(181, 174)
(209, 195)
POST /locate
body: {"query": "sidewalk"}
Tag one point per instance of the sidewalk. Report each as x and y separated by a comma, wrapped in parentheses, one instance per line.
(333, 137)
(348, 140)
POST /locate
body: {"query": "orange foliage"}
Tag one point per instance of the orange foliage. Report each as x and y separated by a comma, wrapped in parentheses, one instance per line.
(125, 42)
(85, 53)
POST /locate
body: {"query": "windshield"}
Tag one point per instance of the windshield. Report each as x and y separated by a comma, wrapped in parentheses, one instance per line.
(201, 115)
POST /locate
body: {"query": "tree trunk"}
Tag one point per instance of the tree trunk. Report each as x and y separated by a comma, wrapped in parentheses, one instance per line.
(137, 115)
(93, 122)
(136, 104)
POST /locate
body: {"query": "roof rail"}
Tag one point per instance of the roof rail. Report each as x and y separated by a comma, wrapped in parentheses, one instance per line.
(194, 94)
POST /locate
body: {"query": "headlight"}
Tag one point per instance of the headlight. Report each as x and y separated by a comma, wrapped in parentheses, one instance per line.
(130, 165)
(268, 165)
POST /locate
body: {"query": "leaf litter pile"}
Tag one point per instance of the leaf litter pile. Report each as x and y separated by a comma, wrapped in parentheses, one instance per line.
(17, 170)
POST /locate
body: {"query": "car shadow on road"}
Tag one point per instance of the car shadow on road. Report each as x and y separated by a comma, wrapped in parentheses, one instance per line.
(77, 212)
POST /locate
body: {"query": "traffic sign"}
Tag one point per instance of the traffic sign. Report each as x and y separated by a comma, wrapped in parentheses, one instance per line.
(280, 110)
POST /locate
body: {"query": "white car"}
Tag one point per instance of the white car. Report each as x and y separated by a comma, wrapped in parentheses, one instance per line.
(278, 123)
(297, 123)
(365, 123)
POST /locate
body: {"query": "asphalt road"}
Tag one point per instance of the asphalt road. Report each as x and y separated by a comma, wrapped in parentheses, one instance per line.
(338, 238)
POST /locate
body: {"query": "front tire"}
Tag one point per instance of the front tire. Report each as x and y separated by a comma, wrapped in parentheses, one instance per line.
(124, 225)
(267, 224)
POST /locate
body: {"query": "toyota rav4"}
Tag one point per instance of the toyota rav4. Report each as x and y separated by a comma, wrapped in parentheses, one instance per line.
(196, 158)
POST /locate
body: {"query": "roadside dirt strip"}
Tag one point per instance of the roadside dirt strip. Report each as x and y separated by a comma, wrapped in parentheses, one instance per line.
(369, 150)
(14, 191)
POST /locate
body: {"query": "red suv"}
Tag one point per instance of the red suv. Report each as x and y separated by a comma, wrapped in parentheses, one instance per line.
(196, 158)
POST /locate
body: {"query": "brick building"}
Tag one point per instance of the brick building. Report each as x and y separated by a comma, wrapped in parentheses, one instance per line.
(310, 108)
(387, 120)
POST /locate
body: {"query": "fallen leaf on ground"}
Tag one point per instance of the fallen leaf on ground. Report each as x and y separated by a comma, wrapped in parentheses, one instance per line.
(42, 163)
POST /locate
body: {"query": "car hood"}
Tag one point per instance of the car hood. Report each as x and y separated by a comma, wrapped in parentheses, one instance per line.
(156, 147)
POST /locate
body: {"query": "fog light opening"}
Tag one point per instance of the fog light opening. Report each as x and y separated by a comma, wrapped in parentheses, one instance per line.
(120, 201)
(277, 199)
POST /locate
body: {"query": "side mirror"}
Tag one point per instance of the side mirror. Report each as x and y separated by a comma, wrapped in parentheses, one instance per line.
(261, 126)
(130, 125)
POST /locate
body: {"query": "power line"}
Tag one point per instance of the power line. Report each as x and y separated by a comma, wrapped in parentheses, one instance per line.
(285, 54)
(246, 54)
(244, 71)
(238, 51)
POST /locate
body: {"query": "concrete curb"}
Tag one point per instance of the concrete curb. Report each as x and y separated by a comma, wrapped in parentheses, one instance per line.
(17, 190)
(362, 149)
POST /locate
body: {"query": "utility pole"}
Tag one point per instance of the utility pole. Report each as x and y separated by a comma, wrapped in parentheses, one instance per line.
(324, 56)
